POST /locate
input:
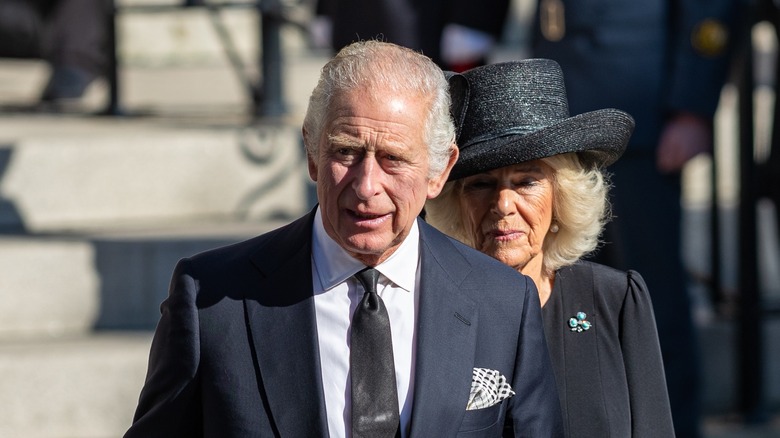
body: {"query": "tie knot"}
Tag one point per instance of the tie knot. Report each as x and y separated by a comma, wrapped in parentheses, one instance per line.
(368, 277)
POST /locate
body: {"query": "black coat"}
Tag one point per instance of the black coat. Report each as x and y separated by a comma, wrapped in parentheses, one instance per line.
(610, 376)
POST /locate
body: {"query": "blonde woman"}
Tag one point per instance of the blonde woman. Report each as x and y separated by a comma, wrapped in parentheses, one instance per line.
(529, 190)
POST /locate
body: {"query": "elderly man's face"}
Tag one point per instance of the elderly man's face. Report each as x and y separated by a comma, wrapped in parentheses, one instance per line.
(508, 212)
(372, 169)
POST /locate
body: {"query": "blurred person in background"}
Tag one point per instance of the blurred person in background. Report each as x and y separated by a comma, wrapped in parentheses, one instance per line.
(69, 34)
(664, 62)
(456, 34)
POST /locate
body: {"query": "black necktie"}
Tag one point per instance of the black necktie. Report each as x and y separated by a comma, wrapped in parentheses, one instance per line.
(374, 395)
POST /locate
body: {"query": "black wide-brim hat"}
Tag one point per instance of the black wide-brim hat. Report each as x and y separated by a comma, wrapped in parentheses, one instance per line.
(512, 112)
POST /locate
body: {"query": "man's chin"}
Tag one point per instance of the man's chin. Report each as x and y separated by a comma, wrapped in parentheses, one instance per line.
(369, 248)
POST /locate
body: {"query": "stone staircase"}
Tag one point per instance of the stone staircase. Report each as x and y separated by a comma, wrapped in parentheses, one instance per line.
(96, 220)
(95, 211)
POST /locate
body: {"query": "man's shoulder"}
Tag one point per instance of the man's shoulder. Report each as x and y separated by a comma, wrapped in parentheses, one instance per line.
(480, 266)
(273, 243)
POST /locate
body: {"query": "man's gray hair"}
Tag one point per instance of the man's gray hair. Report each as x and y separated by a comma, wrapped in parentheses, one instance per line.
(376, 63)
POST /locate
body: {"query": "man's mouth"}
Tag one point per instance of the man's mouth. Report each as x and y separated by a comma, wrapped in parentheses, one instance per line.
(368, 218)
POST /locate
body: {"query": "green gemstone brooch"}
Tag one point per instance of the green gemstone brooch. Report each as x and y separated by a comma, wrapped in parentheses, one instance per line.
(579, 324)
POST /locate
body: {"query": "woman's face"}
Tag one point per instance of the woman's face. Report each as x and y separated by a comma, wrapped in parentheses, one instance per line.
(508, 212)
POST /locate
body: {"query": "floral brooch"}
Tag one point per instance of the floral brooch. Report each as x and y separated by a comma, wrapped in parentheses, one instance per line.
(579, 324)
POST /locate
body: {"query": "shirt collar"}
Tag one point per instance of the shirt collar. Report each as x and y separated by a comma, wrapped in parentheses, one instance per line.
(335, 265)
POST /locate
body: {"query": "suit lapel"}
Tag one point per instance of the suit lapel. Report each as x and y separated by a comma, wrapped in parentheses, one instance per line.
(282, 323)
(446, 339)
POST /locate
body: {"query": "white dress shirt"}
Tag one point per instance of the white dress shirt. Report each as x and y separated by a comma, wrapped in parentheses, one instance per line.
(336, 295)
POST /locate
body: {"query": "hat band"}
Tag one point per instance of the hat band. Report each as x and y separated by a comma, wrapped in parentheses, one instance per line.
(505, 133)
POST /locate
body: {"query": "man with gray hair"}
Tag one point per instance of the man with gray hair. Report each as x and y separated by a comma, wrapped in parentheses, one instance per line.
(358, 319)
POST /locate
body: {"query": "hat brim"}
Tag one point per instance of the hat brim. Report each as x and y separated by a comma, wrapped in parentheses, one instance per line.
(598, 137)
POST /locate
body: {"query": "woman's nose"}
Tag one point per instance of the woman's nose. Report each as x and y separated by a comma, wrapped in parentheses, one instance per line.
(504, 204)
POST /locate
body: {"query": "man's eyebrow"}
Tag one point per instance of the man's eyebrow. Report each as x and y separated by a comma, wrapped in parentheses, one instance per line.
(345, 140)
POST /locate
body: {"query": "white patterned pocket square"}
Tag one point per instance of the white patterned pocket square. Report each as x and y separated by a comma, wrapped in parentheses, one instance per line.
(488, 388)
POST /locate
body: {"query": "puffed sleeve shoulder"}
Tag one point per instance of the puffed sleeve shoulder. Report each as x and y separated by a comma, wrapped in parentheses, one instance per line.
(651, 415)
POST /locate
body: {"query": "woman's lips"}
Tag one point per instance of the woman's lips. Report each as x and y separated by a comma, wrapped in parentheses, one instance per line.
(504, 235)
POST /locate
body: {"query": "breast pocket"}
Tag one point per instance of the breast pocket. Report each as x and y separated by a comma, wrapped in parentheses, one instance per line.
(483, 422)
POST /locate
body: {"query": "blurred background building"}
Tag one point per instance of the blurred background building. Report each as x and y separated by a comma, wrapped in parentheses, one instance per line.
(99, 197)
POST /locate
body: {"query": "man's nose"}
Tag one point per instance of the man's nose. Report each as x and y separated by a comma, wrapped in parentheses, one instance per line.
(367, 175)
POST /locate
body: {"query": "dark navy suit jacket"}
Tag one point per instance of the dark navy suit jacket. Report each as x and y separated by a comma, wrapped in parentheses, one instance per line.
(235, 353)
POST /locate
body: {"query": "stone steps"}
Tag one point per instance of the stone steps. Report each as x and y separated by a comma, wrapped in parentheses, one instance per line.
(70, 285)
(49, 287)
(95, 211)
(94, 219)
(111, 173)
(84, 386)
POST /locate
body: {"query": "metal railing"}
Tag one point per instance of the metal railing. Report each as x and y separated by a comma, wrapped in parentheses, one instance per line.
(266, 93)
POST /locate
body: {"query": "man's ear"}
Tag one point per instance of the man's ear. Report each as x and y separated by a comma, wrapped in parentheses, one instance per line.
(312, 168)
(436, 184)
(309, 159)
